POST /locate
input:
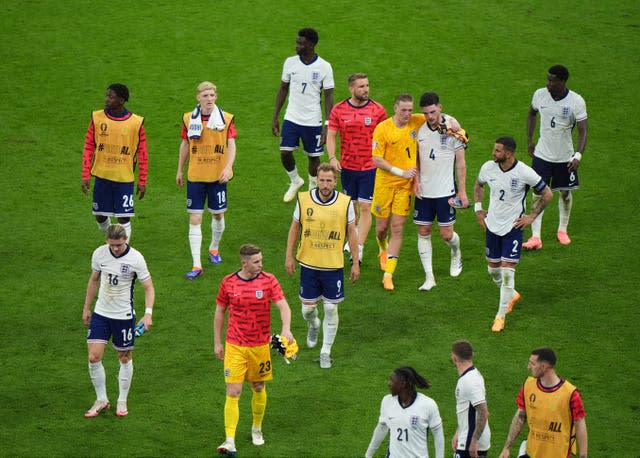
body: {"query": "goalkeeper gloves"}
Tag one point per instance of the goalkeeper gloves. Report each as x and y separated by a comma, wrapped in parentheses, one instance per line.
(288, 350)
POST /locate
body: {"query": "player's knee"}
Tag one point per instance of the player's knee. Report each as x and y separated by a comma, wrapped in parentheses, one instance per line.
(124, 356)
(308, 311)
(424, 231)
(234, 390)
(330, 311)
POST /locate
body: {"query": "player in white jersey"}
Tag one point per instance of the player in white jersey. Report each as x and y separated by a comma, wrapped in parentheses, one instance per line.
(440, 153)
(472, 438)
(115, 268)
(305, 77)
(407, 415)
(554, 157)
(509, 180)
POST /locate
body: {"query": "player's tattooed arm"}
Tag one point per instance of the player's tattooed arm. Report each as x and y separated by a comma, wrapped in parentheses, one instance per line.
(517, 424)
(482, 414)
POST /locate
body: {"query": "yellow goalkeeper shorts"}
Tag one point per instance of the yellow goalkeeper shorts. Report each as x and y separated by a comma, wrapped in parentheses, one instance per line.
(250, 364)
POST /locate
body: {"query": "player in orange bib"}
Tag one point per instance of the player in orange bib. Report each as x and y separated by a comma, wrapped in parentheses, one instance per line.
(115, 143)
(553, 410)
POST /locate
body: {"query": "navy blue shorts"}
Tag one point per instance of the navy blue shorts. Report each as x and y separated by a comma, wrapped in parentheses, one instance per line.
(292, 133)
(321, 284)
(556, 174)
(120, 331)
(504, 248)
(215, 194)
(426, 209)
(358, 184)
(111, 198)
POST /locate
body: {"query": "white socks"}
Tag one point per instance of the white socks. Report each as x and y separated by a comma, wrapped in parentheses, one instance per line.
(195, 242)
(104, 225)
(506, 290)
(98, 378)
(454, 244)
(496, 275)
(329, 326)
(293, 175)
(313, 182)
(425, 251)
(217, 229)
(565, 202)
(310, 313)
(127, 230)
(124, 380)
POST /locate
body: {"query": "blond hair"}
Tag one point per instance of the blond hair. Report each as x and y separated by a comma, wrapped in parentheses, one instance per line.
(116, 232)
(206, 86)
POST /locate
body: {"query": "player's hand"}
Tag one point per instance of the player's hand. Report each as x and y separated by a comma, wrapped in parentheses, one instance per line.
(504, 453)
(288, 335)
(290, 265)
(481, 215)
(336, 163)
(142, 189)
(416, 188)
(355, 272)
(531, 147)
(86, 316)
(454, 441)
(226, 175)
(453, 125)
(218, 350)
(524, 221)
(409, 173)
(85, 186)
(323, 135)
(463, 199)
(147, 321)
(275, 128)
(473, 448)
(573, 165)
(179, 179)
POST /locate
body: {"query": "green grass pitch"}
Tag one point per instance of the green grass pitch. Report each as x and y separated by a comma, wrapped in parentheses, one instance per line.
(485, 59)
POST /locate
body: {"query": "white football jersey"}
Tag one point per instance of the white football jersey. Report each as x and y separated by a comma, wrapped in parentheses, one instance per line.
(408, 425)
(117, 278)
(508, 193)
(437, 154)
(306, 83)
(557, 119)
(470, 392)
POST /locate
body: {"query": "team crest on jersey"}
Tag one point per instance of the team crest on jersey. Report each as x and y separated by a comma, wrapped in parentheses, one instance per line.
(443, 140)
(259, 294)
(124, 268)
(415, 420)
(315, 76)
(514, 184)
(414, 134)
(368, 121)
(565, 111)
